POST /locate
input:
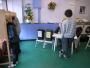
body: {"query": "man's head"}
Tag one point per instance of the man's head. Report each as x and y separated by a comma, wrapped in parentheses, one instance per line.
(68, 13)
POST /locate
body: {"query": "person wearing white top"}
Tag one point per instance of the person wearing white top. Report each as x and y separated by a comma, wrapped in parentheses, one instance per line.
(68, 31)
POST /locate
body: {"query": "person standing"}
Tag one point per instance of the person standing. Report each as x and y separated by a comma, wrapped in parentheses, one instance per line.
(18, 30)
(68, 30)
(13, 42)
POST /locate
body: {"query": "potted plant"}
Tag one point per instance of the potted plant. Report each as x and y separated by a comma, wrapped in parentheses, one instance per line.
(51, 5)
(29, 14)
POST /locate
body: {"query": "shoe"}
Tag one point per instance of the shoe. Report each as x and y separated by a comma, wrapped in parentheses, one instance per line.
(65, 56)
(17, 62)
(12, 65)
(60, 54)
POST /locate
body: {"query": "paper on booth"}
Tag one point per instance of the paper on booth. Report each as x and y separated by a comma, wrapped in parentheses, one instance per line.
(39, 33)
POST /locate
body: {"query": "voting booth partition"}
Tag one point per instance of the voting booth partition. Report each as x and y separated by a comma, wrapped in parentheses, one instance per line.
(40, 36)
(48, 38)
(5, 17)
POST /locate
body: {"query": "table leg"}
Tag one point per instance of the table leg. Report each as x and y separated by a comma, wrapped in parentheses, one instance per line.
(88, 45)
(55, 43)
(72, 49)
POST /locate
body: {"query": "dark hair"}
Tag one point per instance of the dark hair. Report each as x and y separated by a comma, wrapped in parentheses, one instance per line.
(13, 17)
(68, 13)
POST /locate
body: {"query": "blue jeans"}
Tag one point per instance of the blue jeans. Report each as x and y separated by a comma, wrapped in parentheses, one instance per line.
(66, 45)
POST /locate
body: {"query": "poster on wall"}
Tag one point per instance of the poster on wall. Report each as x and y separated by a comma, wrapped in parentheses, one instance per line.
(82, 9)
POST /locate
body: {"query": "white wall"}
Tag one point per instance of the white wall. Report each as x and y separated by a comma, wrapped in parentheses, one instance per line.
(62, 5)
(27, 1)
(85, 3)
(16, 6)
(4, 5)
(55, 15)
(48, 15)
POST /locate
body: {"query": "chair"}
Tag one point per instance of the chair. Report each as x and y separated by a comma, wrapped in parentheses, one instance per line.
(78, 34)
(88, 33)
(76, 38)
(48, 38)
(40, 36)
(56, 36)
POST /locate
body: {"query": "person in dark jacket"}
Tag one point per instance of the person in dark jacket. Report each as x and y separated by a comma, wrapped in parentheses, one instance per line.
(17, 27)
(13, 42)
